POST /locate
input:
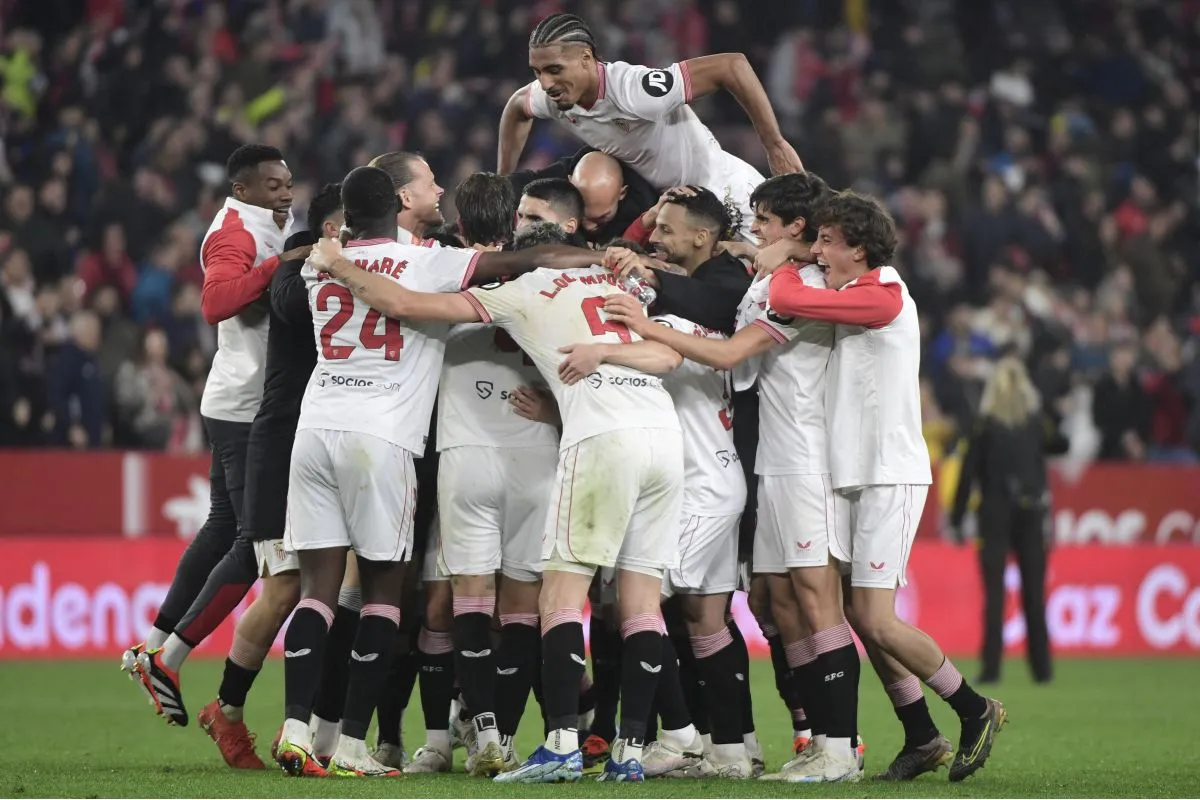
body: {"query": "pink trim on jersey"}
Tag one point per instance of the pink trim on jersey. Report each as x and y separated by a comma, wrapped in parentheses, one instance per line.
(529, 103)
(471, 269)
(776, 335)
(686, 72)
(366, 242)
(484, 316)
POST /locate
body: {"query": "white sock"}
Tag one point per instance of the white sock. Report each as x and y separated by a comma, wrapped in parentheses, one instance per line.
(325, 734)
(839, 748)
(487, 736)
(623, 751)
(232, 713)
(296, 732)
(806, 733)
(751, 741)
(680, 739)
(175, 652)
(729, 753)
(438, 740)
(563, 741)
(349, 749)
(819, 741)
(706, 738)
(156, 638)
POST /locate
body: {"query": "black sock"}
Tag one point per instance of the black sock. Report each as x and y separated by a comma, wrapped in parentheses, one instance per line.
(742, 667)
(840, 669)
(437, 678)
(809, 682)
(235, 684)
(516, 662)
(718, 663)
(690, 680)
(967, 703)
(397, 687)
(562, 668)
(331, 696)
(919, 727)
(606, 677)
(779, 663)
(669, 701)
(210, 544)
(370, 660)
(304, 652)
(641, 661)
(474, 658)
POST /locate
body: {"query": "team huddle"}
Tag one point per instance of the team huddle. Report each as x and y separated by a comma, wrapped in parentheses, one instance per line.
(643, 378)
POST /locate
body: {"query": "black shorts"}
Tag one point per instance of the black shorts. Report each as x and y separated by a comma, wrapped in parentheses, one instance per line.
(268, 462)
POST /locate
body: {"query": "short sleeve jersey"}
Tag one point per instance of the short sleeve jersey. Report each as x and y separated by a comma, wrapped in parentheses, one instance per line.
(377, 375)
(547, 309)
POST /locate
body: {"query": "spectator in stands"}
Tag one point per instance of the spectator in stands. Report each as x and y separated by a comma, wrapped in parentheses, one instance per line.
(1121, 409)
(75, 389)
(109, 264)
(152, 400)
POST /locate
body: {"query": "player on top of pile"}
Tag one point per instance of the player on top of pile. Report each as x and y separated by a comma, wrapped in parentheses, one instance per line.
(641, 115)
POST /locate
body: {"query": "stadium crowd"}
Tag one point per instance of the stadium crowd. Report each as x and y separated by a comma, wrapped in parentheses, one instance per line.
(1043, 176)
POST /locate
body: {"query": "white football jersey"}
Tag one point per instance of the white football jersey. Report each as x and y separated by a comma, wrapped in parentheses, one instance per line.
(482, 368)
(377, 375)
(874, 398)
(547, 309)
(793, 436)
(714, 485)
(641, 117)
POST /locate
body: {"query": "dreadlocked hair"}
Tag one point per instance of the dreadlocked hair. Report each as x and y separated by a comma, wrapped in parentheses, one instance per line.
(562, 29)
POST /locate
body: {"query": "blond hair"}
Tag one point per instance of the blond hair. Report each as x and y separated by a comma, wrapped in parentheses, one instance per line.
(1009, 397)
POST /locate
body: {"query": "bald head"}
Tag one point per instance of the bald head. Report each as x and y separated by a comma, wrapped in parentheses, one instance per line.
(598, 178)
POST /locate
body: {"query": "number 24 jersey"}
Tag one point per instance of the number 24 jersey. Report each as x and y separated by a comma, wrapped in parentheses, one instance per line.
(377, 375)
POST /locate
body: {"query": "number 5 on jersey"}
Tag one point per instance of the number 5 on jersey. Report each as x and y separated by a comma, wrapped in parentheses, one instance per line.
(599, 326)
(391, 341)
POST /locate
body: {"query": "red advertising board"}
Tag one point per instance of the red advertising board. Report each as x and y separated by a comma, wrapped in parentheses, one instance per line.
(65, 597)
(154, 494)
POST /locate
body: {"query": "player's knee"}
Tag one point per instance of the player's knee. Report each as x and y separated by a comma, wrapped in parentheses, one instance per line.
(281, 593)
(760, 606)
(874, 625)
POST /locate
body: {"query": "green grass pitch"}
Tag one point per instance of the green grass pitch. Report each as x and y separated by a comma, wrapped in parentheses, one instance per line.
(1115, 728)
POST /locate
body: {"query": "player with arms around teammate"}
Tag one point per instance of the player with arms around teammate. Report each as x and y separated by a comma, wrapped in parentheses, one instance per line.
(239, 255)
(713, 498)
(640, 115)
(878, 460)
(364, 417)
(795, 497)
(496, 473)
(617, 494)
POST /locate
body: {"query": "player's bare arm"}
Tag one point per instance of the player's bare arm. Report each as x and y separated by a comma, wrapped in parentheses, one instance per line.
(584, 359)
(515, 123)
(733, 73)
(494, 265)
(785, 251)
(715, 353)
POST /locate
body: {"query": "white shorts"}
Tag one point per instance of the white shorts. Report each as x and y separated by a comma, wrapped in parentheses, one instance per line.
(875, 531)
(349, 489)
(275, 559)
(492, 502)
(616, 502)
(707, 556)
(796, 516)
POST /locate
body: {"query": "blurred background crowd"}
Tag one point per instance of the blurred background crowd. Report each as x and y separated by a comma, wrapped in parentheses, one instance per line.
(1040, 159)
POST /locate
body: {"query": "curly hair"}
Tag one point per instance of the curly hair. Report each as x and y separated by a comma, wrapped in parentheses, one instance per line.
(864, 223)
